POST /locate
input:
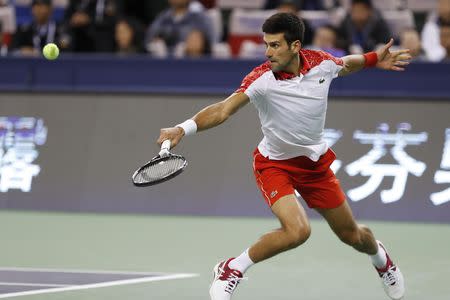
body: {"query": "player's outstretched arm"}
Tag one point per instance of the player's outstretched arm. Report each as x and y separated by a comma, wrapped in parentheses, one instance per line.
(383, 58)
(208, 117)
(392, 60)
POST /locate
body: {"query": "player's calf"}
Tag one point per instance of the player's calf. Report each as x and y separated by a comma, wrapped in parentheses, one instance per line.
(360, 238)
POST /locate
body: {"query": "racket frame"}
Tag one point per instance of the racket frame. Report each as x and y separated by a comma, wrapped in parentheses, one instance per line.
(156, 160)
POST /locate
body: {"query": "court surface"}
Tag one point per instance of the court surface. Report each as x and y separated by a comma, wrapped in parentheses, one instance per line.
(88, 256)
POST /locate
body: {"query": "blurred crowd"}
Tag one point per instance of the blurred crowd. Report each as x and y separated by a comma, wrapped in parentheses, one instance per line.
(220, 28)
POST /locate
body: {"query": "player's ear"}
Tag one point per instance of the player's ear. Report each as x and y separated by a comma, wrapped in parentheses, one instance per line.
(296, 46)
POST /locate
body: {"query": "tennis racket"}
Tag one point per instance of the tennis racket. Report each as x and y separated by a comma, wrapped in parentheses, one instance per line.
(161, 168)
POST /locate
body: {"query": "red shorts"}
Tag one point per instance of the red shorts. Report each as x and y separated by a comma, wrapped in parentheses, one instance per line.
(315, 181)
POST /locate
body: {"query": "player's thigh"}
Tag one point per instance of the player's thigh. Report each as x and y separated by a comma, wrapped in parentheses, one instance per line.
(274, 183)
(340, 219)
(291, 214)
(320, 190)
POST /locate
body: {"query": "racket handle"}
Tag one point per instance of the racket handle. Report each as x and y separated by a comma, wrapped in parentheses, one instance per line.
(165, 147)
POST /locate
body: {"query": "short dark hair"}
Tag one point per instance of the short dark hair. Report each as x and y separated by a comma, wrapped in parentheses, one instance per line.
(289, 24)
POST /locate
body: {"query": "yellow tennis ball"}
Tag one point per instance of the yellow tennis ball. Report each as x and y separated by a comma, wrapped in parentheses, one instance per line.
(50, 51)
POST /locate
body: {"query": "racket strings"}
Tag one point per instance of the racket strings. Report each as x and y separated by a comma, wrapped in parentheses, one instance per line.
(160, 169)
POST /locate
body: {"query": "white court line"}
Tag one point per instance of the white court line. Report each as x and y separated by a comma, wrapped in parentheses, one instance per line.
(98, 285)
(34, 284)
(77, 271)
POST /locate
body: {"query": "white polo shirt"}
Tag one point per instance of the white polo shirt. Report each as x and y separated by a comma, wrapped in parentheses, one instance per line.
(292, 109)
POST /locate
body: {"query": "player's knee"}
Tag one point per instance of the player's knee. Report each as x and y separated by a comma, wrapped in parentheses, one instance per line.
(298, 235)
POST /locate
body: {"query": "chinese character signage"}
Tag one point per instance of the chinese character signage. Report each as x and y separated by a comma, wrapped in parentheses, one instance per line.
(368, 165)
(442, 176)
(20, 138)
(393, 156)
(383, 142)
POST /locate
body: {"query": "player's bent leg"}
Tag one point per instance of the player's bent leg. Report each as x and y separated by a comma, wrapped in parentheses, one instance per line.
(294, 231)
(362, 239)
(344, 226)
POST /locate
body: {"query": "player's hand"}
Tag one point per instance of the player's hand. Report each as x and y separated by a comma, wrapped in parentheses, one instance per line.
(174, 134)
(392, 60)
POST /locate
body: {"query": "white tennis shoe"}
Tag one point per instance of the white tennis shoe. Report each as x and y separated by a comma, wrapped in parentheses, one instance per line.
(391, 278)
(225, 281)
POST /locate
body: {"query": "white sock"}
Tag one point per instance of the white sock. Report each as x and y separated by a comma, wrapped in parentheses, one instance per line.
(379, 259)
(242, 262)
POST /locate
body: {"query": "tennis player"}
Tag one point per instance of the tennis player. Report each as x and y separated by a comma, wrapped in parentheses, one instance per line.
(290, 92)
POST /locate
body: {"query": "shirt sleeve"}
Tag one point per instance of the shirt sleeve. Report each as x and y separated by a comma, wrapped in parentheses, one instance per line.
(335, 64)
(252, 84)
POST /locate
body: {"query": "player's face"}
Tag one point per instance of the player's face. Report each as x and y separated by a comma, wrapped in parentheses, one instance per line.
(279, 53)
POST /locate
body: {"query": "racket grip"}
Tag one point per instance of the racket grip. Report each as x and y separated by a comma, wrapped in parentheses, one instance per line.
(165, 147)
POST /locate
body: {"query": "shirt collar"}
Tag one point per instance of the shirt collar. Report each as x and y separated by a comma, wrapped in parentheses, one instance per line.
(306, 66)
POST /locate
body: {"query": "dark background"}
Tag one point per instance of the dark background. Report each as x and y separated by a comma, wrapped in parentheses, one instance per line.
(96, 141)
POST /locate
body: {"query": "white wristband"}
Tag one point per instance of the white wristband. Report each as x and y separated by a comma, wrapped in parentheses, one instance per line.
(189, 126)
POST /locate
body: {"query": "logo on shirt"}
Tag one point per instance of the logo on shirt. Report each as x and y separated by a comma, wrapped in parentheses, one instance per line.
(321, 80)
(273, 194)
